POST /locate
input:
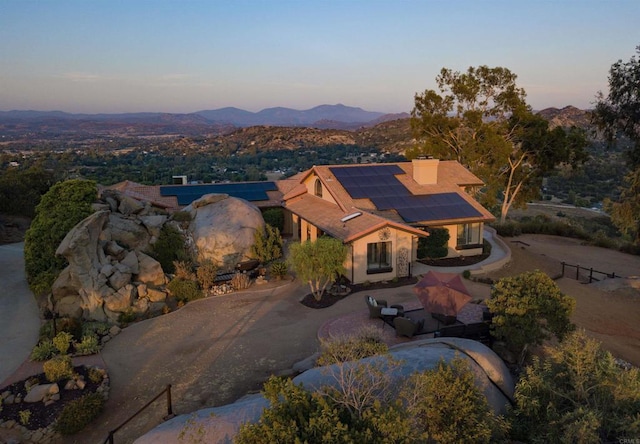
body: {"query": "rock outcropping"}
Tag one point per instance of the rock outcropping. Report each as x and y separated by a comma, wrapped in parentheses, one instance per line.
(220, 424)
(109, 272)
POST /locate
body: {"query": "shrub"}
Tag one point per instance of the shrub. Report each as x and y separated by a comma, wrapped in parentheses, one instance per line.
(60, 209)
(508, 229)
(95, 328)
(206, 274)
(274, 217)
(127, 317)
(435, 245)
(62, 341)
(466, 274)
(528, 309)
(78, 413)
(279, 269)
(181, 216)
(184, 290)
(240, 281)
(43, 351)
(96, 375)
(450, 407)
(169, 247)
(57, 368)
(89, 345)
(364, 343)
(184, 270)
(25, 416)
(577, 393)
(267, 245)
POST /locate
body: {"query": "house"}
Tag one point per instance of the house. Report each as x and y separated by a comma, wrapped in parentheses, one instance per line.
(381, 210)
(378, 210)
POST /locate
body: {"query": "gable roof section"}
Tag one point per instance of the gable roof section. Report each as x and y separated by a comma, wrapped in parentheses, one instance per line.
(145, 193)
(329, 218)
(389, 191)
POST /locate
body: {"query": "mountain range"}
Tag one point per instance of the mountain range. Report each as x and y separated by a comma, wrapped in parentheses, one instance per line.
(324, 116)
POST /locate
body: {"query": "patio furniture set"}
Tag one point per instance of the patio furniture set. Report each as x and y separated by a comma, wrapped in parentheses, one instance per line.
(447, 300)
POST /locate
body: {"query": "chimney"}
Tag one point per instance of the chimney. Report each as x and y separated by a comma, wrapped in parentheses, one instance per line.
(425, 170)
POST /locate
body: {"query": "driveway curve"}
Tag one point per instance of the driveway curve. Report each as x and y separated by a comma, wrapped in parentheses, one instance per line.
(19, 315)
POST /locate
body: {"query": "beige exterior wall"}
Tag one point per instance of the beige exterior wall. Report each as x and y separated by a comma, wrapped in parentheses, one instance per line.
(310, 183)
(357, 264)
(453, 241)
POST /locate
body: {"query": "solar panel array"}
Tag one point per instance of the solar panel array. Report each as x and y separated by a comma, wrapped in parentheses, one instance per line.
(253, 191)
(380, 184)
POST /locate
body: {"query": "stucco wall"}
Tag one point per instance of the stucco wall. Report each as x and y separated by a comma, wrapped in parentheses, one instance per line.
(310, 183)
(399, 239)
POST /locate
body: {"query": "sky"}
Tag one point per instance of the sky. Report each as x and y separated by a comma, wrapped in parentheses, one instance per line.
(94, 56)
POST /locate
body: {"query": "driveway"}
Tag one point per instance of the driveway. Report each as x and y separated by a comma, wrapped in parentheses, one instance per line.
(19, 316)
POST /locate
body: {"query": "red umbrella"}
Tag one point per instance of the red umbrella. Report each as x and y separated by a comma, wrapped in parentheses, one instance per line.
(442, 293)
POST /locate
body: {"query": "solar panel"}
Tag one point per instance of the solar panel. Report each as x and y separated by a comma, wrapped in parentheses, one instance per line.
(251, 191)
(435, 207)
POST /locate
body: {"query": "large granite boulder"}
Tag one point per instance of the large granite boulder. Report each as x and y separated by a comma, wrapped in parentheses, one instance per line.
(219, 425)
(223, 228)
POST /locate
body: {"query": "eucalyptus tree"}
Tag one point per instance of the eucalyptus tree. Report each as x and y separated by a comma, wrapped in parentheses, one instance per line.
(618, 114)
(481, 119)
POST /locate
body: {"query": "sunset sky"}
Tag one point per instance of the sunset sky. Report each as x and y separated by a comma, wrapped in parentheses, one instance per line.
(184, 56)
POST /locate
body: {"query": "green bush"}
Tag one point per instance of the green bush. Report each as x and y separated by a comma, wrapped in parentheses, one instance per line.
(508, 229)
(59, 210)
(78, 413)
(57, 368)
(95, 328)
(279, 269)
(267, 245)
(169, 247)
(127, 317)
(43, 351)
(181, 216)
(435, 245)
(274, 217)
(62, 341)
(89, 345)
(577, 393)
(184, 290)
(466, 274)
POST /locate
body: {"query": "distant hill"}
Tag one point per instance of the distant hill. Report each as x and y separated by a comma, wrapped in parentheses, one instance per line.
(204, 122)
(567, 117)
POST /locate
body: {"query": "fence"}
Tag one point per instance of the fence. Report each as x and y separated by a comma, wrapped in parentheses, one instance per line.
(590, 270)
(167, 390)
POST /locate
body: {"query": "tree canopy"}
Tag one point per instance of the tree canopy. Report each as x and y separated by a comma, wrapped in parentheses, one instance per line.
(319, 262)
(528, 309)
(618, 115)
(60, 209)
(481, 119)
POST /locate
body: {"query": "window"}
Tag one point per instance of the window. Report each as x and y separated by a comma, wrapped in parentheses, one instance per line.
(379, 257)
(318, 188)
(469, 234)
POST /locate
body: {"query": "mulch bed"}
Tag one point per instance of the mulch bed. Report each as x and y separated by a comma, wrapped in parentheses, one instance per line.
(41, 415)
(329, 299)
(461, 261)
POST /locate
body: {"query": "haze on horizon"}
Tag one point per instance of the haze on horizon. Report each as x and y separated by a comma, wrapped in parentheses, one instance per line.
(175, 56)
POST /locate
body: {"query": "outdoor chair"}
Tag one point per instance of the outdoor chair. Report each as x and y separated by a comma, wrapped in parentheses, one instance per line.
(375, 306)
(407, 327)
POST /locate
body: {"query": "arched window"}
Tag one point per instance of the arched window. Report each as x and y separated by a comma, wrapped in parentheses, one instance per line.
(318, 188)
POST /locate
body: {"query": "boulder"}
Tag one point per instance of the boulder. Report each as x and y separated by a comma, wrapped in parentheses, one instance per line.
(121, 300)
(155, 295)
(141, 306)
(107, 270)
(142, 290)
(223, 228)
(114, 250)
(149, 271)
(129, 205)
(69, 306)
(131, 262)
(118, 280)
(128, 232)
(38, 392)
(220, 424)
(153, 223)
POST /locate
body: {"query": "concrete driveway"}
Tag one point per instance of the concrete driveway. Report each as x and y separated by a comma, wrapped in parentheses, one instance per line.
(19, 316)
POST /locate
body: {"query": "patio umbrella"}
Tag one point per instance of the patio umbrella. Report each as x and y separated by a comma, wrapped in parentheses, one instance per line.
(442, 293)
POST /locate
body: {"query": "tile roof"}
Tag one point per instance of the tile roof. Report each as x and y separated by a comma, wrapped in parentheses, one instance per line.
(147, 193)
(328, 217)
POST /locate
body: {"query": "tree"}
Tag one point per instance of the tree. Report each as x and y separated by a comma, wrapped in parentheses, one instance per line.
(577, 393)
(60, 209)
(267, 244)
(21, 190)
(445, 405)
(528, 309)
(618, 114)
(480, 118)
(319, 262)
